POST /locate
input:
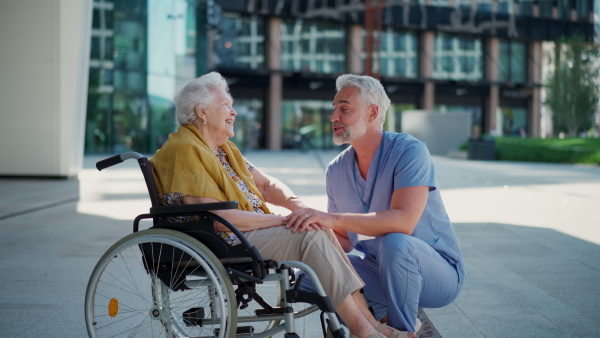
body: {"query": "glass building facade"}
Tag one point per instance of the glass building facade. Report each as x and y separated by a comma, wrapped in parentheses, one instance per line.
(142, 51)
(513, 62)
(458, 57)
(239, 42)
(313, 47)
(399, 54)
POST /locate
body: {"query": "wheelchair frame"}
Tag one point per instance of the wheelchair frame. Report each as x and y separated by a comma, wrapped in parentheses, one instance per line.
(142, 283)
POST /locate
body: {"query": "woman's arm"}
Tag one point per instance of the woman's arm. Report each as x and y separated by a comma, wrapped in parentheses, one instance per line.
(276, 192)
(243, 220)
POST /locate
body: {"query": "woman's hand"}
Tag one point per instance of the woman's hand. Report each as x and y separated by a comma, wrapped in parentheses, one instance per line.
(307, 219)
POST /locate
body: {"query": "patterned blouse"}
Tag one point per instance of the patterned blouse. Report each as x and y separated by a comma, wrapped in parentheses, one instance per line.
(177, 198)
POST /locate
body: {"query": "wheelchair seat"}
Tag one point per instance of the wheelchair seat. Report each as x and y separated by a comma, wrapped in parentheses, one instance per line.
(178, 279)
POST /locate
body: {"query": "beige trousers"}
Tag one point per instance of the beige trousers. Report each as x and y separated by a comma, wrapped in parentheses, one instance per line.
(318, 249)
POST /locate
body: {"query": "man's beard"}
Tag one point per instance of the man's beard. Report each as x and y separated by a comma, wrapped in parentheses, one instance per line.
(350, 133)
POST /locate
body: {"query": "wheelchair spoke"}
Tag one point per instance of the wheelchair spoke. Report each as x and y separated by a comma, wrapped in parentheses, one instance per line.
(131, 290)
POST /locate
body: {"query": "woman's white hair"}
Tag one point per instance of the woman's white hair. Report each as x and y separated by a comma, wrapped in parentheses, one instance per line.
(371, 92)
(197, 91)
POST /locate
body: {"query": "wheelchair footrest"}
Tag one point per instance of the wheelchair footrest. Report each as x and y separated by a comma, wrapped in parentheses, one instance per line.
(240, 330)
(193, 316)
(264, 312)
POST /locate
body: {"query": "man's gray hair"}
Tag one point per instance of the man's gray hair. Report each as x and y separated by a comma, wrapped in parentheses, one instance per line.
(371, 92)
(197, 91)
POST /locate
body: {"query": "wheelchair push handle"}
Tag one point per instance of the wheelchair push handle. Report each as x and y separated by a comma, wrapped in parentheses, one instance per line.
(109, 162)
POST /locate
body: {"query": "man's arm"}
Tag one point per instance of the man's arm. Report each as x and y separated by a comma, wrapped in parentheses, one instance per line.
(406, 208)
(342, 237)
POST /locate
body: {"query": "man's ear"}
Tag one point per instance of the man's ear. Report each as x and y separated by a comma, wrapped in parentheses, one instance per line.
(373, 112)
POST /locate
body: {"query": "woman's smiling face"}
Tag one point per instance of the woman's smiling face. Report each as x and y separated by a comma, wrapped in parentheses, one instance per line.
(220, 115)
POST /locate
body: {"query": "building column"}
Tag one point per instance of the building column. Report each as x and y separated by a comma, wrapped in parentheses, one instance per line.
(493, 99)
(354, 50)
(534, 79)
(427, 40)
(275, 90)
(44, 65)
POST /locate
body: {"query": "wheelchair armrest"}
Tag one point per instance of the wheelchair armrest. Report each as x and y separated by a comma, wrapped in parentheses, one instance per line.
(190, 209)
(259, 267)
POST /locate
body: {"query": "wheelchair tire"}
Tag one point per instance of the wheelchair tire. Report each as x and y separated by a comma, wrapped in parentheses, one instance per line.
(131, 289)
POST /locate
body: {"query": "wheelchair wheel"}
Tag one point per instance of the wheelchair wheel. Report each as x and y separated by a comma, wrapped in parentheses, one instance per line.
(160, 283)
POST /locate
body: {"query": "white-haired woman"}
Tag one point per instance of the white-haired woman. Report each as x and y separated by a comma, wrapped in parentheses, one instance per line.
(198, 164)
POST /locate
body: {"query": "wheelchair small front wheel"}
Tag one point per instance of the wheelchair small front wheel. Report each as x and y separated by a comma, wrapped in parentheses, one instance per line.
(160, 283)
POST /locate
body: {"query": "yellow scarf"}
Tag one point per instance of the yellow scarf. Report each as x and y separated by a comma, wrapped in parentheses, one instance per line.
(187, 165)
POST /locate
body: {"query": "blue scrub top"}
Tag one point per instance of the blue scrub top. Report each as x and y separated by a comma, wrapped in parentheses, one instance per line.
(404, 162)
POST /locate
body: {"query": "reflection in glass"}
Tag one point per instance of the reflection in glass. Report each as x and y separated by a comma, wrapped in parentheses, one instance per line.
(514, 121)
(564, 9)
(458, 58)
(142, 51)
(526, 8)
(483, 5)
(248, 126)
(505, 6)
(315, 47)
(239, 42)
(306, 125)
(171, 62)
(399, 54)
(512, 61)
(545, 9)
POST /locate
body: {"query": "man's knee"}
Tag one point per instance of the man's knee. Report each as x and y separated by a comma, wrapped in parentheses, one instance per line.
(396, 245)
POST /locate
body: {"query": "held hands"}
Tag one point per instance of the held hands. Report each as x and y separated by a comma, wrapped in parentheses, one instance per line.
(307, 219)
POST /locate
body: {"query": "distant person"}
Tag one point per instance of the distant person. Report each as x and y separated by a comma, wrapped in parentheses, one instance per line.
(384, 201)
(198, 164)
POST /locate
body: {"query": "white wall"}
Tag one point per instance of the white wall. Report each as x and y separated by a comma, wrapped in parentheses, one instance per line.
(44, 62)
(442, 132)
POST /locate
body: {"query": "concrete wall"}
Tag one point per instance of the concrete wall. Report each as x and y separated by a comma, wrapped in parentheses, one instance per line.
(440, 131)
(44, 62)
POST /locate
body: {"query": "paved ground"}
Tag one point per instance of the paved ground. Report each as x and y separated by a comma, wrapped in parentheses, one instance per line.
(530, 234)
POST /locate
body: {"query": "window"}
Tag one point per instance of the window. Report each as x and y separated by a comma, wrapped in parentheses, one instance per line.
(458, 58)
(514, 121)
(484, 5)
(505, 6)
(240, 42)
(306, 125)
(564, 9)
(315, 47)
(526, 7)
(512, 65)
(399, 54)
(546, 8)
(249, 132)
(583, 9)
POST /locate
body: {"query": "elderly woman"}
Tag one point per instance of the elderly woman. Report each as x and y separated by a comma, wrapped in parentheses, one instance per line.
(198, 164)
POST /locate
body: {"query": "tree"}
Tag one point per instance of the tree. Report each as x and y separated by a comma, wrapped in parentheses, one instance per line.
(572, 90)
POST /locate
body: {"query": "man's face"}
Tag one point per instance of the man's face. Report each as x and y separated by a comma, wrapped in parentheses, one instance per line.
(349, 117)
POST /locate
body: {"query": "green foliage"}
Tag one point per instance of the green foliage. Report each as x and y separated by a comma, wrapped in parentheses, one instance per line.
(570, 150)
(572, 87)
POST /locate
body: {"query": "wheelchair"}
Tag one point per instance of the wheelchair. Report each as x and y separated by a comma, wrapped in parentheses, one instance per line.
(184, 280)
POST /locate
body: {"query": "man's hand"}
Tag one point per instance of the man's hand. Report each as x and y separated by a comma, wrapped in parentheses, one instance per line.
(307, 219)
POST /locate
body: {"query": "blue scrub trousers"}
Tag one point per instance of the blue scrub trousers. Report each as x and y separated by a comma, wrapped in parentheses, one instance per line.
(405, 275)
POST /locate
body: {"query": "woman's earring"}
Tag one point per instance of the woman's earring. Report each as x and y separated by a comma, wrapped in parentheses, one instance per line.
(204, 122)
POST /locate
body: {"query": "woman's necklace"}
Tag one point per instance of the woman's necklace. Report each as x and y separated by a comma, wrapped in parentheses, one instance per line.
(367, 206)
